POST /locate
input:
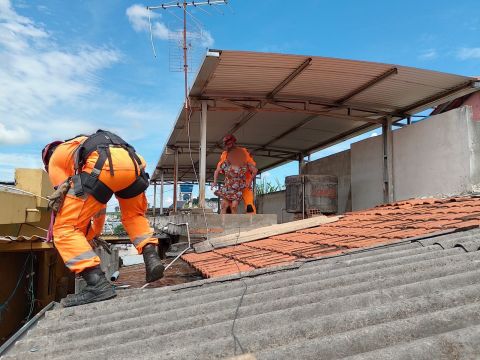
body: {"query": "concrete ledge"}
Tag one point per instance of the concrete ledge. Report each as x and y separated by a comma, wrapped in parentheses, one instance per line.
(217, 224)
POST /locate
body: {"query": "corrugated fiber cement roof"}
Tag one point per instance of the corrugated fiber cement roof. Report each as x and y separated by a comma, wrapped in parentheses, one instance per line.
(416, 300)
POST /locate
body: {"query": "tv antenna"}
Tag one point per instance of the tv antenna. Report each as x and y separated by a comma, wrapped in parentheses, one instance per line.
(184, 5)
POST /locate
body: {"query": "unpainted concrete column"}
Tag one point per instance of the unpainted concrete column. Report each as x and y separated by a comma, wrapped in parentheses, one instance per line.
(388, 187)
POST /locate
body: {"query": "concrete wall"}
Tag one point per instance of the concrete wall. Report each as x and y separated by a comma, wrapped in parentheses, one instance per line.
(274, 203)
(432, 157)
(367, 173)
(474, 101)
(338, 165)
(439, 156)
(218, 224)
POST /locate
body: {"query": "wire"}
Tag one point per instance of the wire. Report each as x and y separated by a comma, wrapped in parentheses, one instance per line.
(151, 33)
(245, 288)
(4, 306)
(22, 191)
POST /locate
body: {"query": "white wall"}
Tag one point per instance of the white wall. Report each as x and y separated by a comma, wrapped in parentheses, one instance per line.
(439, 156)
(367, 173)
(432, 157)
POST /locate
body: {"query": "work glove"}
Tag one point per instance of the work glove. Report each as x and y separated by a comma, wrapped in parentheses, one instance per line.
(55, 201)
(98, 243)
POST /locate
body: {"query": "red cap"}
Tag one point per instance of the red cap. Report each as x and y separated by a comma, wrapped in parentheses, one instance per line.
(48, 151)
(229, 139)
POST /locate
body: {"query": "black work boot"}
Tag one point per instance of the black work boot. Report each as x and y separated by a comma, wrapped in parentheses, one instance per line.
(153, 266)
(98, 289)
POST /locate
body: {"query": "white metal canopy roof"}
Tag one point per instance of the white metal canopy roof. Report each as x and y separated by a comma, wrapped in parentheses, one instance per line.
(282, 106)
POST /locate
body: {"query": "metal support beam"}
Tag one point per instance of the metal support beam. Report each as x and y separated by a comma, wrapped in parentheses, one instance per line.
(203, 156)
(175, 181)
(290, 78)
(388, 187)
(285, 133)
(431, 100)
(154, 200)
(161, 193)
(299, 100)
(367, 85)
(253, 110)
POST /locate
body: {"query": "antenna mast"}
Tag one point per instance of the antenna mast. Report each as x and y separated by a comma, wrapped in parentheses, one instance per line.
(183, 6)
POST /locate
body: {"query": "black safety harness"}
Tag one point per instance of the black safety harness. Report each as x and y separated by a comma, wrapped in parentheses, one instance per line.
(89, 183)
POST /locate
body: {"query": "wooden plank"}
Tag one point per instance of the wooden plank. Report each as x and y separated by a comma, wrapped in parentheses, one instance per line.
(262, 233)
(24, 246)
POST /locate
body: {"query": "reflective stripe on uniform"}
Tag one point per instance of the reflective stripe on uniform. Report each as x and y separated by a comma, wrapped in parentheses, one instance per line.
(84, 256)
(137, 241)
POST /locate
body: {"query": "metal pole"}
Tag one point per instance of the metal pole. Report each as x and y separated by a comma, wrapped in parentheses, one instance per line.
(154, 200)
(301, 163)
(203, 156)
(25, 327)
(387, 134)
(185, 59)
(303, 196)
(175, 181)
(161, 194)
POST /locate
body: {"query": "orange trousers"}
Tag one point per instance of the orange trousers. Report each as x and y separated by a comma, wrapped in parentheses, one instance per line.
(73, 221)
(247, 196)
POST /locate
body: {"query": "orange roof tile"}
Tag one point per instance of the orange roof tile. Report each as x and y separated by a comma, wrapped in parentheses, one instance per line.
(381, 225)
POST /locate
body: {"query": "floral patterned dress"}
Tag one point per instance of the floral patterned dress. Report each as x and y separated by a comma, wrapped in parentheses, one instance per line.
(235, 181)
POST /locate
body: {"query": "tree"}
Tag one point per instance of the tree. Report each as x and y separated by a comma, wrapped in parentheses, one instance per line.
(119, 230)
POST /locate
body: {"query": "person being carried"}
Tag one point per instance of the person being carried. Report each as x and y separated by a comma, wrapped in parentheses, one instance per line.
(87, 171)
(239, 169)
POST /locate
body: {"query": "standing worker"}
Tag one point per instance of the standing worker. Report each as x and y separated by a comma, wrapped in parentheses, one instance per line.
(230, 145)
(86, 171)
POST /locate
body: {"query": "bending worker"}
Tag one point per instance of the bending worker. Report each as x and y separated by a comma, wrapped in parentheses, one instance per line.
(87, 171)
(229, 144)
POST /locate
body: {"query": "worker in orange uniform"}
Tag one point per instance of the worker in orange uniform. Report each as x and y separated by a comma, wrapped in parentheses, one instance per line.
(230, 143)
(87, 171)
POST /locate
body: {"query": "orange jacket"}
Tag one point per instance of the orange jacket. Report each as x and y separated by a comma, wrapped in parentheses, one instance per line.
(248, 159)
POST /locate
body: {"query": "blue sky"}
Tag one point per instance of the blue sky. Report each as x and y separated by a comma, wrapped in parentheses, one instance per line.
(75, 66)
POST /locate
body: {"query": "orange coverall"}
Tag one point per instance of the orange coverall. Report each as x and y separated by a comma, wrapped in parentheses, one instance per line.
(247, 192)
(72, 223)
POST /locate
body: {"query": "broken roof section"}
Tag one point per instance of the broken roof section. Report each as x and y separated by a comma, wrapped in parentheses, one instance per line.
(280, 106)
(364, 229)
(418, 300)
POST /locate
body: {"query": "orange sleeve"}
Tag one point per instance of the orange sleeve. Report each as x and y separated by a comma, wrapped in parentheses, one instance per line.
(61, 165)
(223, 157)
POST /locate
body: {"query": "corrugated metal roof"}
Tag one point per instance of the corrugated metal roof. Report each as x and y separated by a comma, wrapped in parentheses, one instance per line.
(9, 239)
(279, 106)
(419, 300)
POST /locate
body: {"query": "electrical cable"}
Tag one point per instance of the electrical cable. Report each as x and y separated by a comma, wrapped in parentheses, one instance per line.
(4, 306)
(245, 288)
(151, 32)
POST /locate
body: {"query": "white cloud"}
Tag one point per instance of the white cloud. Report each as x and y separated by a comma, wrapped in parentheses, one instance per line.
(428, 54)
(37, 76)
(138, 16)
(468, 53)
(13, 135)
